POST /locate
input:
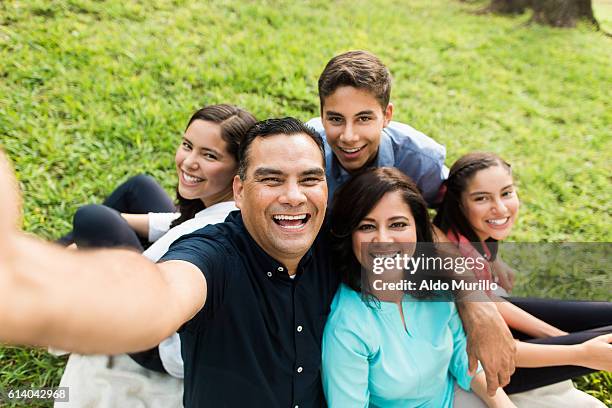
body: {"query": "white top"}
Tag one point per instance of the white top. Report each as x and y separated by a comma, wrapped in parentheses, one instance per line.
(159, 224)
(170, 348)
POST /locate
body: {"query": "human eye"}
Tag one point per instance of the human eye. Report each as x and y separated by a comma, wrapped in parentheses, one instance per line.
(366, 227)
(334, 120)
(271, 180)
(399, 225)
(210, 156)
(186, 145)
(508, 193)
(481, 198)
(311, 181)
(364, 118)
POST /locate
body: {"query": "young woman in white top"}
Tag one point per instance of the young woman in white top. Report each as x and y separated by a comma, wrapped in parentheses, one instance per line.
(139, 211)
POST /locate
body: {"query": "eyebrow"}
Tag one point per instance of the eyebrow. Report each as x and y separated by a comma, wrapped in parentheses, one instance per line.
(266, 171)
(397, 217)
(486, 192)
(314, 172)
(364, 112)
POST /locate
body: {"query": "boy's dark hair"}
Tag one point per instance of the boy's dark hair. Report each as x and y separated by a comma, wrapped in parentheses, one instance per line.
(234, 123)
(359, 69)
(269, 127)
(450, 215)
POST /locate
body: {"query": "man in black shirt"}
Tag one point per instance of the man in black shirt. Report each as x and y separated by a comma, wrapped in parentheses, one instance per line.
(257, 340)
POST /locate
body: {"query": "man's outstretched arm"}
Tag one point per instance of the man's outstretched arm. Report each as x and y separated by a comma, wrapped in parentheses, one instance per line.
(104, 301)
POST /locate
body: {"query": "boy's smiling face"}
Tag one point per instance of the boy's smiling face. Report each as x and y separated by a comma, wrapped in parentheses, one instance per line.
(353, 120)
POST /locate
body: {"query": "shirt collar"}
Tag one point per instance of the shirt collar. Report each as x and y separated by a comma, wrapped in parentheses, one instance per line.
(261, 259)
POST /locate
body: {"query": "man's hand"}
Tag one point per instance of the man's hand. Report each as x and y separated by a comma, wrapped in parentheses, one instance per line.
(489, 341)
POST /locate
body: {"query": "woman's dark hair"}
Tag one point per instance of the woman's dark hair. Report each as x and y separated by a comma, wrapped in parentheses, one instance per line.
(354, 200)
(234, 123)
(450, 215)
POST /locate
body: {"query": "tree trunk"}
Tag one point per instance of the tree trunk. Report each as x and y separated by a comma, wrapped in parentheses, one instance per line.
(508, 6)
(562, 13)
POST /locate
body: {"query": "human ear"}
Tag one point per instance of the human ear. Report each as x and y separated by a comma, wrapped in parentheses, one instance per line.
(238, 188)
(388, 113)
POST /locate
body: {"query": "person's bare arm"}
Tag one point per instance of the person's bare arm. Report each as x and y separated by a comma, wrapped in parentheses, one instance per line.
(138, 222)
(104, 301)
(489, 341)
(595, 353)
(520, 320)
(499, 400)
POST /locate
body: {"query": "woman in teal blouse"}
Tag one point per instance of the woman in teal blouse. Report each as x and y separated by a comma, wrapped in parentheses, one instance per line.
(385, 348)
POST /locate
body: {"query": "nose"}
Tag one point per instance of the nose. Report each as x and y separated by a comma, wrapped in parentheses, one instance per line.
(293, 195)
(349, 135)
(499, 206)
(381, 235)
(191, 161)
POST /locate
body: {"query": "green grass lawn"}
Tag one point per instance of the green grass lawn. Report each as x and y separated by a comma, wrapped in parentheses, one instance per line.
(92, 92)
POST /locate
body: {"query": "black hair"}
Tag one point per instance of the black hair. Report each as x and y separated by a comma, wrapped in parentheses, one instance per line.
(269, 127)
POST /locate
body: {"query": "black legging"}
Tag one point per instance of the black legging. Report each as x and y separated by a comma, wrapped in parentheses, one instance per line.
(583, 320)
(101, 226)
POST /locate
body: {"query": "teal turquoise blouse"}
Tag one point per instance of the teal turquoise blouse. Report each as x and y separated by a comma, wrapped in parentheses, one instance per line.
(369, 359)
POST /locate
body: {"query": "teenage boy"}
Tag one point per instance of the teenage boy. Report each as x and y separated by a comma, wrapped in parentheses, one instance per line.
(355, 122)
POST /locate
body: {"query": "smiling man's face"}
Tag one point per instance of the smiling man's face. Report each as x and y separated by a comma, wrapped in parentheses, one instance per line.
(283, 196)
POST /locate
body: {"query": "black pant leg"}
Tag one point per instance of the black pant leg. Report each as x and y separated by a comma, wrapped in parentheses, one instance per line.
(98, 226)
(140, 194)
(525, 379)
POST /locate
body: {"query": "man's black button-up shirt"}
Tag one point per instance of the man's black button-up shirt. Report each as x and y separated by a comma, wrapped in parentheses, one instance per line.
(257, 340)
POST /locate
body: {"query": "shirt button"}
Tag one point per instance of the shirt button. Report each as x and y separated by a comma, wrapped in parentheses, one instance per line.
(269, 274)
(297, 406)
(300, 369)
(299, 329)
(280, 269)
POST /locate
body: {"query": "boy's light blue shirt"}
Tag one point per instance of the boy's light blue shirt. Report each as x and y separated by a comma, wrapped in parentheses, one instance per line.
(415, 154)
(369, 359)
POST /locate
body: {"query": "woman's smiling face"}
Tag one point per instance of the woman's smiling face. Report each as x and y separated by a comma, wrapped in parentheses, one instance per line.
(490, 203)
(204, 167)
(386, 229)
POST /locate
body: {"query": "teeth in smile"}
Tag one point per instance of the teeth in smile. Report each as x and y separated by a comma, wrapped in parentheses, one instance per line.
(385, 255)
(355, 150)
(191, 179)
(293, 226)
(290, 217)
(500, 221)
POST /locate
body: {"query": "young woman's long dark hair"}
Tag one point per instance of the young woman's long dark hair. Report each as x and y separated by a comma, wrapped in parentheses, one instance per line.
(354, 200)
(450, 215)
(234, 123)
